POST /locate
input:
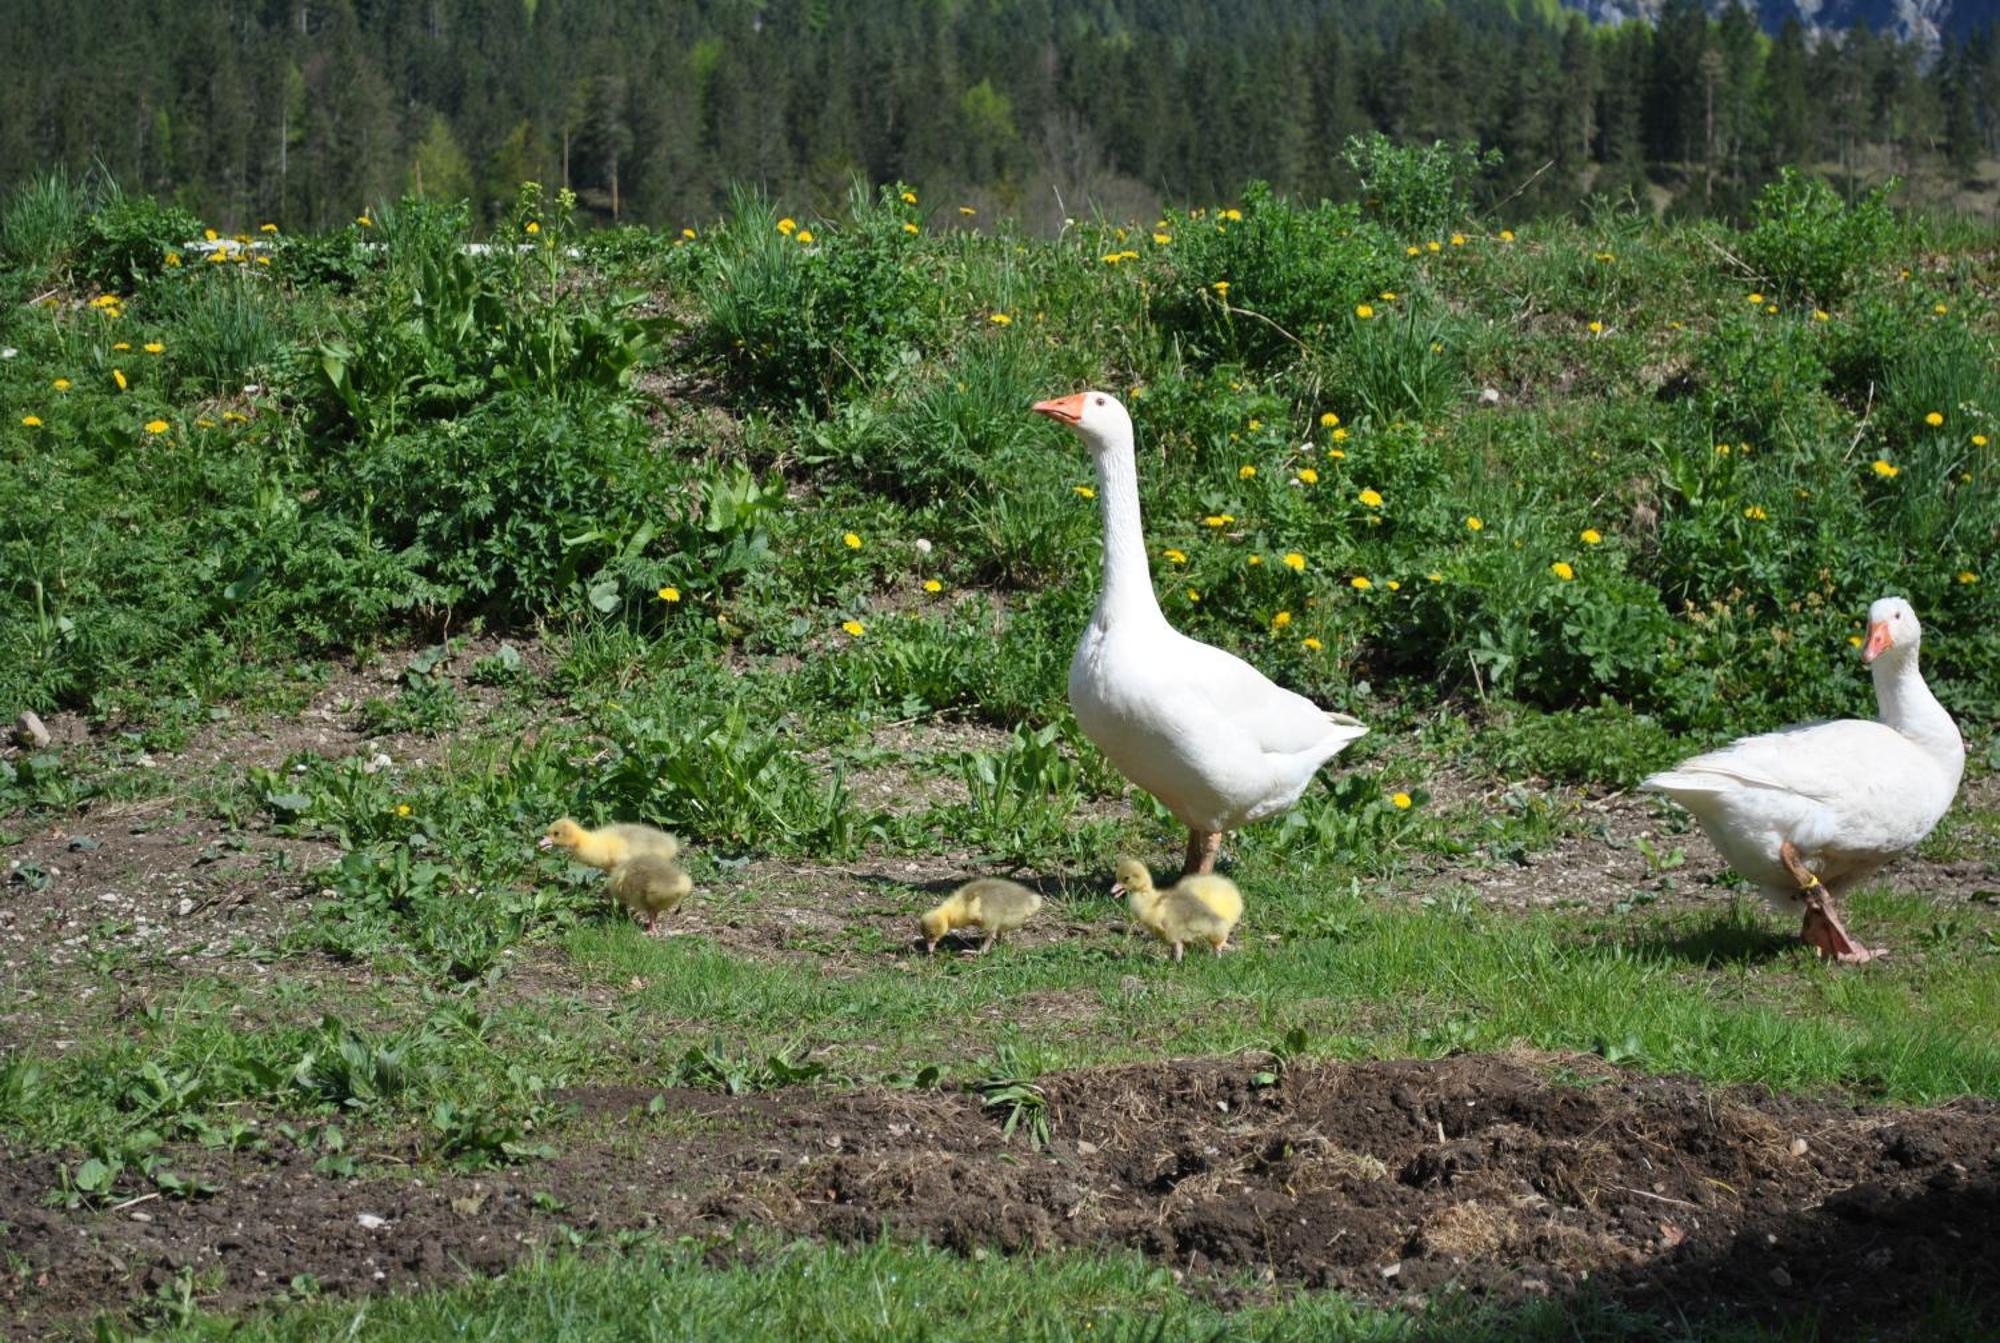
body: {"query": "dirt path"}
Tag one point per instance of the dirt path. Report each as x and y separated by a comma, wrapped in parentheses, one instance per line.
(1505, 1176)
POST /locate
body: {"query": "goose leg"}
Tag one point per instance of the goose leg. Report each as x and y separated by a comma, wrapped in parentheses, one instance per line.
(1177, 953)
(986, 944)
(1202, 848)
(1822, 929)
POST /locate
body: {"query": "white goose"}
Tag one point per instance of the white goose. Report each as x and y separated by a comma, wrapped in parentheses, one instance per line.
(1809, 811)
(1200, 729)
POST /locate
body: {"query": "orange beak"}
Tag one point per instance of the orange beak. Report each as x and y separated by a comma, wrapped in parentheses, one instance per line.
(1878, 643)
(1067, 409)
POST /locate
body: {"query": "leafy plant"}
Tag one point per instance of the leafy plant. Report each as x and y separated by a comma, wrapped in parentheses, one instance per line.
(1808, 243)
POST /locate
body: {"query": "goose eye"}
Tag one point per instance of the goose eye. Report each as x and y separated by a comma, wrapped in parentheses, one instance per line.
(1100, 400)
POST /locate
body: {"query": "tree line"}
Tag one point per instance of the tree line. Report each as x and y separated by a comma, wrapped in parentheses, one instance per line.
(304, 111)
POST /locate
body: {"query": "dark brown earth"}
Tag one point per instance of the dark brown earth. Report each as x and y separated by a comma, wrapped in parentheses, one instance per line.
(1501, 1176)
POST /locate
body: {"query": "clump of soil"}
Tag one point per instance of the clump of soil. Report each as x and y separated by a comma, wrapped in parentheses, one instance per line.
(1501, 1176)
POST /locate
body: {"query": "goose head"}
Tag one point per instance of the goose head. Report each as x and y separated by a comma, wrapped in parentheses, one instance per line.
(1892, 628)
(1096, 417)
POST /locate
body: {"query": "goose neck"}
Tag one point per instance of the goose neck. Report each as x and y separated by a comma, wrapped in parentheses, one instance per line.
(1128, 578)
(1904, 702)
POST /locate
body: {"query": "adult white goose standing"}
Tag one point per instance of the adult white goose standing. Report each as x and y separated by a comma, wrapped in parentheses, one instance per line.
(1809, 811)
(1200, 729)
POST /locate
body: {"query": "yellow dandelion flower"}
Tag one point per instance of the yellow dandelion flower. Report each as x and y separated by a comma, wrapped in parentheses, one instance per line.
(1854, 641)
(1312, 643)
(854, 627)
(1360, 584)
(118, 376)
(1387, 296)
(1562, 570)
(1221, 287)
(1218, 520)
(123, 345)
(1433, 247)
(1506, 235)
(1162, 239)
(155, 347)
(670, 594)
(362, 220)
(1474, 524)
(1435, 577)
(1000, 319)
(267, 228)
(1363, 311)
(1458, 240)
(1757, 299)
(1822, 315)
(1393, 585)
(1934, 419)
(967, 211)
(1255, 561)
(1335, 453)
(1967, 576)
(1084, 491)
(210, 234)
(1413, 251)
(402, 809)
(804, 236)
(1886, 470)
(1597, 328)
(909, 198)
(60, 384)
(1193, 596)
(1295, 561)
(1280, 620)
(910, 228)
(1328, 420)
(1338, 436)
(31, 421)
(932, 585)
(156, 426)
(1255, 425)
(687, 234)
(1370, 498)
(533, 227)
(235, 417)
(850, 540)
(1402, 801)
(1308, 476)
(1756, 513)
(1245, 472)
(1939, 309)
(1174, 556)
(1978, 440)
(173, 259)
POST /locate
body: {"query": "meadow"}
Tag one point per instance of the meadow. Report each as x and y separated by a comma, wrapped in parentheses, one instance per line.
(337, 566)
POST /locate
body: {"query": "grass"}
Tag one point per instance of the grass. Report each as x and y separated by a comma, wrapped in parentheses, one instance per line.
(546, 548)
(887, 1291)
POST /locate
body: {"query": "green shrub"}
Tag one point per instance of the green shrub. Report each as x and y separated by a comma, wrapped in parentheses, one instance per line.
(806, 314)
(127, 240)
(1807, 243)
(1417, 191)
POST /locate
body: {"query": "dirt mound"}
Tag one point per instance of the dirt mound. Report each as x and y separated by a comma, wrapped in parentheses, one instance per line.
(1496, 1175)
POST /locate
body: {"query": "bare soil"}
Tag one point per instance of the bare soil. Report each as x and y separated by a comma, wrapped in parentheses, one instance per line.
(1505, 1177)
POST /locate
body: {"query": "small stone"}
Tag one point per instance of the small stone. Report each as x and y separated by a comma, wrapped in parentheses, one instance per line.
(30, 732)
(377, 763)
(1392, 1270)
(370, 1222)
(1798, 1147)
(1489, 396)
(1780, 1278)
(185, 907)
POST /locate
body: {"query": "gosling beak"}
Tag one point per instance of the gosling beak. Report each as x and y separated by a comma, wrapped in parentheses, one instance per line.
(545, 843)
(1879, 641)
(930, 947)
(1118, 888)
(1065, 409)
